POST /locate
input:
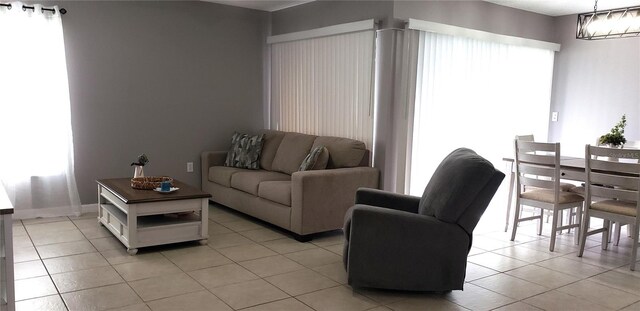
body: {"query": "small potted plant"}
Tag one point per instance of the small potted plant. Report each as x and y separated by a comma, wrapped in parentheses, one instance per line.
(142, 161)
(615, 138)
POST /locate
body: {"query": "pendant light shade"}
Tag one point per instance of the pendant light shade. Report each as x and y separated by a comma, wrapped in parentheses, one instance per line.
(609, 24)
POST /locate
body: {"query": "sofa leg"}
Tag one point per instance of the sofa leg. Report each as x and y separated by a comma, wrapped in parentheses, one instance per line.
(302, 238)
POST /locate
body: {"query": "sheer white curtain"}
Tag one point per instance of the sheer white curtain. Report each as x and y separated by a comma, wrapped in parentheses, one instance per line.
(475, 94)
(36, 161)
(324, 86)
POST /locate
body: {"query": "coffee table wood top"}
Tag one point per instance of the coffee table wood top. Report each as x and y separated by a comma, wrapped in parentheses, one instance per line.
(121, 187)
(5, 204)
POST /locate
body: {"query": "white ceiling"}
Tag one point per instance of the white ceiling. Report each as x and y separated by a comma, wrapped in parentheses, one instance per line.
(546, 7)
(263, 5)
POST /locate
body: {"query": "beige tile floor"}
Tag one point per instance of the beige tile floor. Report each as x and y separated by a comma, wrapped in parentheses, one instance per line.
(69, 263)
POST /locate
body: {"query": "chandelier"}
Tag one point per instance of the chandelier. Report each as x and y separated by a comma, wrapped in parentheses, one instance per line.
(609, 24)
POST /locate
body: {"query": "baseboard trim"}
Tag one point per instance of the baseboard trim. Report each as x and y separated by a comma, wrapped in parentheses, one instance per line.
(90, 208)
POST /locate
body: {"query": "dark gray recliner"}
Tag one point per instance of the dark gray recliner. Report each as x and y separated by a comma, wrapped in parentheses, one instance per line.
(402, 242)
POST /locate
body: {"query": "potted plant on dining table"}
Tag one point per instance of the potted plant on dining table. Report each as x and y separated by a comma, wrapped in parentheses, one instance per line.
(615, 138)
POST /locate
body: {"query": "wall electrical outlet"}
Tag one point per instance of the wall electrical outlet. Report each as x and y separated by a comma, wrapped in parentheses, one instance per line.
(189, 167)
(554, 116)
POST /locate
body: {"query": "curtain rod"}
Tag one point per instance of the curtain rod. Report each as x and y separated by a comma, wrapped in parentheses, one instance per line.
(25, 7)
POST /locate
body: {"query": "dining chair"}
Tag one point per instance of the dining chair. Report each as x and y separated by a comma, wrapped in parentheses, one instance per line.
(563, 187)
(528, 137)
(616, 227)
(630, 144)
(616, 184)
(538, 165)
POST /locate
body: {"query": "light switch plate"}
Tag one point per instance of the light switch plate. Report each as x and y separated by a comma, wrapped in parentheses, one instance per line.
(189, 167)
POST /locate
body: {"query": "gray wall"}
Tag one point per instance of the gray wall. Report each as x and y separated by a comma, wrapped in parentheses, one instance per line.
(594, 83)
(169, 79)
(471, 14)
(479, 15)
(328, 13)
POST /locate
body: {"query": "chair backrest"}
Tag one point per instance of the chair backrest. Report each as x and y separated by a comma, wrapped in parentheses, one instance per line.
(528, 137)
(632, 144)
(460, 189)
(612, 179)
(537, 165)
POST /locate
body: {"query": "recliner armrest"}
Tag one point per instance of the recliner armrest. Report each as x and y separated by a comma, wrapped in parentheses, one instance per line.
(386, 199)
(393, 222)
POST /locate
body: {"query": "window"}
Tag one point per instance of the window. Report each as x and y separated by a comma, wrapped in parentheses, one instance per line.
(324, 86)
(36, 162)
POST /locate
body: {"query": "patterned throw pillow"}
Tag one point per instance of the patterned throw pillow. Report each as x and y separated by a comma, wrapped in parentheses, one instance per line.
(309, 162)
(245, 151)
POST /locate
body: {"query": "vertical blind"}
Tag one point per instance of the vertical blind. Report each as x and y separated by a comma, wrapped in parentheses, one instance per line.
(323, 86)
(476, 94)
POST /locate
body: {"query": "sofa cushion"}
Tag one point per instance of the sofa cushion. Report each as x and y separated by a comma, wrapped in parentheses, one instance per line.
(248, 181)
(343, 152)
(270, 144)
(222, 174)
(276, 191)
(245, 151)
(292, 150)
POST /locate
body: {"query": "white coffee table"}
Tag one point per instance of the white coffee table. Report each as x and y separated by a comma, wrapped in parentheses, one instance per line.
(140, 218)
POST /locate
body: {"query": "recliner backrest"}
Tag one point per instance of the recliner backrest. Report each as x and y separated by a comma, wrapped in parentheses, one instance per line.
(460, 189)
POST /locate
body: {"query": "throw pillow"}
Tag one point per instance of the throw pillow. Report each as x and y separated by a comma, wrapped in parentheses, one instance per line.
(311, 162)
(323, 160)
(245, 151)
(229, 161)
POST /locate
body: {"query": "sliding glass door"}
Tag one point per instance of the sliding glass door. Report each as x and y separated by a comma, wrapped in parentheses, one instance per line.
(476, 94)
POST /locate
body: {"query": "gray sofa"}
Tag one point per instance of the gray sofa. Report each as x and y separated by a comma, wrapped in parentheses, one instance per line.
(303, 202)
(396, 241)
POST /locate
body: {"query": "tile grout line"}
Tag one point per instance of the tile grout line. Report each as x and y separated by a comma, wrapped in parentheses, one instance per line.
(264, 279)
(45, 267)
(192, 278)
(550, 289)
(105, 259)
(606, 269)
(110, 265)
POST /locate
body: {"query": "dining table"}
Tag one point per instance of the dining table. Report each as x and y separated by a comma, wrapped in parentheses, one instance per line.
(571, 168)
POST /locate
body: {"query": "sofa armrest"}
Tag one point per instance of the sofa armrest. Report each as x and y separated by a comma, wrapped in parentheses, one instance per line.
(375, 197)
(320, 198)
(209, 159)
(403, 249)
